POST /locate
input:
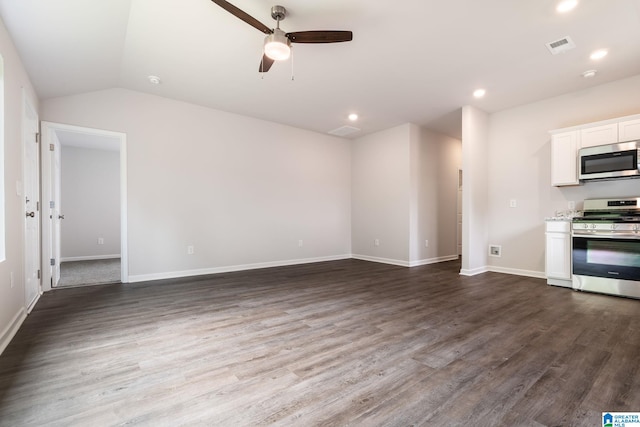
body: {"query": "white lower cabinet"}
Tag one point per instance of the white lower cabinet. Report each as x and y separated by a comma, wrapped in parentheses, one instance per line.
(558, 253)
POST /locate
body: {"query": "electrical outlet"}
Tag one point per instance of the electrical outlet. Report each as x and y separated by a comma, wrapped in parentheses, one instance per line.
(513, 203)
(572, 205)
(426, 243)
(376, 242)
(300, 243)
(101, 240)
(190, 250)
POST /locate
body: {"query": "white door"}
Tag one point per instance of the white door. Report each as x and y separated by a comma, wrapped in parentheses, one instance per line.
(55, 212)
(459, 212)
(31, 196)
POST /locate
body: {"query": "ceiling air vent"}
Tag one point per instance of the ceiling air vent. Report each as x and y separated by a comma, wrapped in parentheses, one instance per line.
(562, 45)
(344, 131)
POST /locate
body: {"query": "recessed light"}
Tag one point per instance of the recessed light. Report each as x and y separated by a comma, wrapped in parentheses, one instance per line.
(154, 80)
(479, 93)
(566, 6)
(598, 54)
(353, 117)
(589, 74)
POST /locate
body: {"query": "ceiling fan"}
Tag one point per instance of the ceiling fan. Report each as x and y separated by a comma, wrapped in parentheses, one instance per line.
(277, 43)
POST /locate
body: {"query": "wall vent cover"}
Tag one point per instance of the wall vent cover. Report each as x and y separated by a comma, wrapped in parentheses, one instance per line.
(344, 131)
(562, 45)
(495, 250)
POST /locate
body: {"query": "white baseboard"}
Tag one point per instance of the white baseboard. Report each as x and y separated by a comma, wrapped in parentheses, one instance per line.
(231, 268)
(473, 271)
(518, 272)
(399, 262)
(12, 328)
(433, 260)
(89, 258)
(34, 302)
(503, 270)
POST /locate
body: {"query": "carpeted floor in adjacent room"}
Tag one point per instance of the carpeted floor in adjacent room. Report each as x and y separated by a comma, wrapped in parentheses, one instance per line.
(94, 272)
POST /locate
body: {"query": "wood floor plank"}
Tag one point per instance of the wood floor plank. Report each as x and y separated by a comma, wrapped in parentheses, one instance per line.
(333, 344)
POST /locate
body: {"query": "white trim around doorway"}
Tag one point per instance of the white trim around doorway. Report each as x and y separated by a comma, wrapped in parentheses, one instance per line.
(48, 130)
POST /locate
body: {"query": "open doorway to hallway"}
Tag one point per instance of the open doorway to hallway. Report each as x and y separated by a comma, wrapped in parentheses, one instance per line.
(84, 182)
(90, 205)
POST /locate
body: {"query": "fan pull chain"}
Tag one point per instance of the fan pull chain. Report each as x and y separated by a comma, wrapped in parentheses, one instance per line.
(292, 76)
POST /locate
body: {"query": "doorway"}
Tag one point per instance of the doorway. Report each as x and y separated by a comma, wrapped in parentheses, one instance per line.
(31, 198)
(84, 184)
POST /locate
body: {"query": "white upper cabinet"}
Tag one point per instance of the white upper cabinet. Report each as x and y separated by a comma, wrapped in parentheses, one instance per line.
(567, 142)
(599, 135)
(629, 130)
(564, 147)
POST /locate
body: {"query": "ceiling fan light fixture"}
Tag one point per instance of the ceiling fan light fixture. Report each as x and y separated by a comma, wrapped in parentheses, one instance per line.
(276, 45)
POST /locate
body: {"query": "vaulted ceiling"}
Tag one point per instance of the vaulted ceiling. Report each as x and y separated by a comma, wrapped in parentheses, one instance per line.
(412, 61)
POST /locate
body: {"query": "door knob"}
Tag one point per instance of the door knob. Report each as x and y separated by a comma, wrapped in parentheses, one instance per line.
(60, 216)
(31, 214)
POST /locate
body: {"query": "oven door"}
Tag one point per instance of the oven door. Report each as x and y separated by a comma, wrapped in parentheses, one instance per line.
(607, 264)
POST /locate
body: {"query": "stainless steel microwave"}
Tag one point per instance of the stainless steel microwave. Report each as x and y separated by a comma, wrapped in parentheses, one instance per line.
(611, 161)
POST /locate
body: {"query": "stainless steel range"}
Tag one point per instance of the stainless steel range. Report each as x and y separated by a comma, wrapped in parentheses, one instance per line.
(606, 247)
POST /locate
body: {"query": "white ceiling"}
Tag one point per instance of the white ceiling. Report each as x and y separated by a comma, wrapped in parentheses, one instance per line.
(411, 61)
(85, 139)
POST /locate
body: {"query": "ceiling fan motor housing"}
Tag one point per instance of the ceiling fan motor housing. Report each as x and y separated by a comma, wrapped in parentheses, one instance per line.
(278, 13)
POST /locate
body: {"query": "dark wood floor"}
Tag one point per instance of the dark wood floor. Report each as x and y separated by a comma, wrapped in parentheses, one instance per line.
(331, 344)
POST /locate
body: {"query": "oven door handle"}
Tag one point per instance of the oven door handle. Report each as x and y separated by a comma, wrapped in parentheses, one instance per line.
(607, 235)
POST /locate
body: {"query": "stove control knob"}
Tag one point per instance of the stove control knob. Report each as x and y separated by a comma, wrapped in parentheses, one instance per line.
(593, 226)
(636, 227)
(614, 226)
(585, 225)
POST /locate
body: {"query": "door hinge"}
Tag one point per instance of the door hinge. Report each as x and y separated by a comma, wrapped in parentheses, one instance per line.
(38, 274)
(37, 137)
(52, 261)
(52, 204)
(52, 147)
(38, 206)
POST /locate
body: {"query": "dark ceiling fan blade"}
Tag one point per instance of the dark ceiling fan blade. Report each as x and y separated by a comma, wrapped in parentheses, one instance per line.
(320, 36)
(265, 64)
(238, 13)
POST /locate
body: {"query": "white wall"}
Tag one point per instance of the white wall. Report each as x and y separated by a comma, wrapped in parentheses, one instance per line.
(12, 298)
(242, 191)
(404, 192)
(90, 201)
(381, 195)
(519, 168)
(475, 210)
